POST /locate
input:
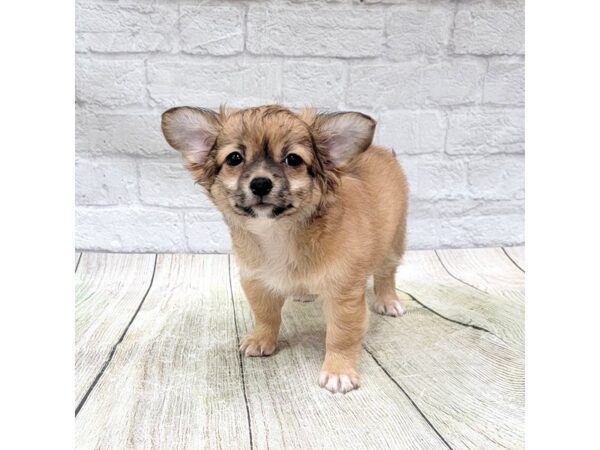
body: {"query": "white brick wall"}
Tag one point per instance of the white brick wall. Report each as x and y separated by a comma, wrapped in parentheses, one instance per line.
(444, 79)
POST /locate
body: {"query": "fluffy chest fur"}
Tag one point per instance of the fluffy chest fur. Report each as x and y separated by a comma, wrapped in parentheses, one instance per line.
(270, 255)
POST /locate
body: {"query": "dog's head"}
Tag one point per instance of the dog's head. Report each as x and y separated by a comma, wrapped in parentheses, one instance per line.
(266, 162)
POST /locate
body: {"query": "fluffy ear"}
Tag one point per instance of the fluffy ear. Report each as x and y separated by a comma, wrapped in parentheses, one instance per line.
(191, 131)
(343, 135)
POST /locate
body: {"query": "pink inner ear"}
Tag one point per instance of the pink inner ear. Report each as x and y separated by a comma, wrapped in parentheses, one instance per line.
(341, 147)
(193, 136)
(344, 135)
(198, 144)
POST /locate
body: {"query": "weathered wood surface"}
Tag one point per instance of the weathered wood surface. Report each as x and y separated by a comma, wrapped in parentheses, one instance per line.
(467, 382)
(499, 311)
(174, 381)
(109, 289)
(487, 269)
(289, 410)
(449, 373)
(77, 258)
(517, 255)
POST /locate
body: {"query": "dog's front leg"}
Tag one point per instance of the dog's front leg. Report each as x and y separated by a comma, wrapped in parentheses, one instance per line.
(266, 307)
(346, 326)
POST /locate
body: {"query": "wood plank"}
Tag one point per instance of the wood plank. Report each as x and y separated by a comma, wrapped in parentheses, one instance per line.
(289, 410)
(517, 255)
(175, 380)
(77, 258)
(499, 311)
(469, 383)
(487, 269)
(109, 289)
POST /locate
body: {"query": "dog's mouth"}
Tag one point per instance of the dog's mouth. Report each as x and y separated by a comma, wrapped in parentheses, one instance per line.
(261, 207)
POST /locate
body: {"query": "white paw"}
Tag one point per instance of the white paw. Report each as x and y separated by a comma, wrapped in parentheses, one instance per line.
(390, 308)
(338, 382)
(252, 346)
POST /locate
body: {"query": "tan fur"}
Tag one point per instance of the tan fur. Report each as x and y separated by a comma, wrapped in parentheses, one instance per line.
(346, 224)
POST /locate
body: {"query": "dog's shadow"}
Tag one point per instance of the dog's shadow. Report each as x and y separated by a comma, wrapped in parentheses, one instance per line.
(303, 323)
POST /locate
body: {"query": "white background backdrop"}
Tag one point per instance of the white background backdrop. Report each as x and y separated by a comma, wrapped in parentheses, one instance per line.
(444, 80)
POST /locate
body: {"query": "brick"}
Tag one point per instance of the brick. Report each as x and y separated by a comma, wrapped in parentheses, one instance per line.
(487, 207)
(215, 30)
(470, 4)
(422, 234)
(209, 84)
(413, 32)
(116, 27)
(129, 229)
(482, 231)
(435, 179)
(105, 182)
(412, 132)
(479, 131)
(415, 83)
(170, 184)
(207, 233)
(489, 32)
(114, 82)
(497, 177)
(315, 31)
(464, 223)
(505, 83)
(465, 207)
(136, 134)
(486, 5)
(399, 2)
(390, 2)
(317, 84)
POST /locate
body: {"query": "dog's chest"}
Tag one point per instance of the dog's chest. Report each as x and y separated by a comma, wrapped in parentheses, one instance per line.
(278, 264)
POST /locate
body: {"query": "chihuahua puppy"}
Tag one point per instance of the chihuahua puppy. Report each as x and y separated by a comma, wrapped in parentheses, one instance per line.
(313, 209)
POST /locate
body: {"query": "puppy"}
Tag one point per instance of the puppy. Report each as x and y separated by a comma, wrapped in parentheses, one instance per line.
(313, 209)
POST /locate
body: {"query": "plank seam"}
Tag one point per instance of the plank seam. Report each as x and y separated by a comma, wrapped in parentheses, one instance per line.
(114, 348)
(512, 260)
(78, 261)
(407, 396)
(456, 278)
(237, 335)
(458, 322)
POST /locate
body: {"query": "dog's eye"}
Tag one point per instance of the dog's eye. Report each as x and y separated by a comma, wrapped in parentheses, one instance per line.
(293, 160)
(234, 158)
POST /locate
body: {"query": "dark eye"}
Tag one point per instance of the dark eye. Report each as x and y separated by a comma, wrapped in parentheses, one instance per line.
(234, 158)
(293, 160)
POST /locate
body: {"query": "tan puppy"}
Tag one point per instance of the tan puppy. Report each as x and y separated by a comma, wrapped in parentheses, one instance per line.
(313, 208)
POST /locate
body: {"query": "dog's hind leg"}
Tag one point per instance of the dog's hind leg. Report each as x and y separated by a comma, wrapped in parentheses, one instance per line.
(387, 299)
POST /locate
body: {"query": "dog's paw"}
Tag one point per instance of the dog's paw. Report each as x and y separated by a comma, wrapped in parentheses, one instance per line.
(338, 382)
(391, 305)
(253, 346)
(389, 308)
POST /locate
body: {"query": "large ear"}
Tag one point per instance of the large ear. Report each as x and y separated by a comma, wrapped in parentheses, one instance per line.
(343, 135)
(191, 131)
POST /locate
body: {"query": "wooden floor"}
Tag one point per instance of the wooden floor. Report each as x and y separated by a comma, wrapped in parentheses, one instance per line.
(157, 364)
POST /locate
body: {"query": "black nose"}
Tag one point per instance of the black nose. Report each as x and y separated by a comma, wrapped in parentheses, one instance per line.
(261, 186)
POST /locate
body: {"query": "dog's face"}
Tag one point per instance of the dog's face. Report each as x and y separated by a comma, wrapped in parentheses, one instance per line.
(266, 162)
